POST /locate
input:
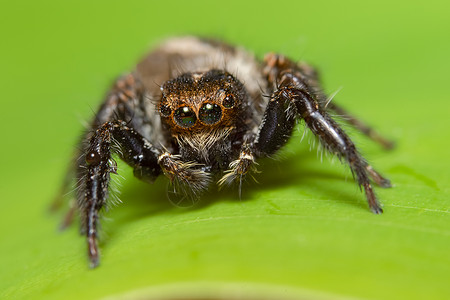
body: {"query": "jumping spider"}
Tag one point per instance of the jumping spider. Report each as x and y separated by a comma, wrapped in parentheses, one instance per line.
(196, 111)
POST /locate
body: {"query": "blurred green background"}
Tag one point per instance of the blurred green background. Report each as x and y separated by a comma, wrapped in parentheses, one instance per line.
(305, 230)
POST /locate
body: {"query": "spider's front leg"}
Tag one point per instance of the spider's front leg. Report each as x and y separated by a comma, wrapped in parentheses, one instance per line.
(116, 137)
(293, 97)
(111, 137)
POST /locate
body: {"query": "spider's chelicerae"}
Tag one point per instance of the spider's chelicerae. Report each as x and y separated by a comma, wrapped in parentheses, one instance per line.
(200, 111)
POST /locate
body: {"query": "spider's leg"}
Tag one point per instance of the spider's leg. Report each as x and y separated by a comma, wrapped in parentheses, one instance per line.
(292, 95)
(65, 188)
(148, 163)
(361, 126)
(273, 133)
(111, 137)
(311, 76)
(125, 101)
(125, 95)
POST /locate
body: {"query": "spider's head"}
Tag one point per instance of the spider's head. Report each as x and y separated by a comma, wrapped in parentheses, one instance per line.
(199, 102)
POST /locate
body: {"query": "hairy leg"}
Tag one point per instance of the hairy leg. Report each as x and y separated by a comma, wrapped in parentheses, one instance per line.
(310, 77)
(361, 126)
(126, 93)
(94, 163)
(293, 95)
(111, 138)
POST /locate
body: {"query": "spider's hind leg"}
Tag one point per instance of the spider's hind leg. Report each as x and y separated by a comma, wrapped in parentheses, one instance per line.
(310, 75)
(362, 126)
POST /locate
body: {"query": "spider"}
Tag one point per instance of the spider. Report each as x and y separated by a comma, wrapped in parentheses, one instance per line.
(201, 111)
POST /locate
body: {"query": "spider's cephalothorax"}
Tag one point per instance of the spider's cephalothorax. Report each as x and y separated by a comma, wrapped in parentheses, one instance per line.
(195, 110)
(206, 114)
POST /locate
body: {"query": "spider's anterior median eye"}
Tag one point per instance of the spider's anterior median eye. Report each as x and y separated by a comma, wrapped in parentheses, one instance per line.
(228, 102)
(210, 113)
(185, 117)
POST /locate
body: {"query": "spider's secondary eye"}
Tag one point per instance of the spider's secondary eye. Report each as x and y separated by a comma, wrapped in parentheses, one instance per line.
(228, 102)
(185, 117)
(210, 113)
(165, 110)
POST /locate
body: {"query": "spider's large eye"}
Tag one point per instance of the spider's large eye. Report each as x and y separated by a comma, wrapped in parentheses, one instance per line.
(210, 113)
(185, 117)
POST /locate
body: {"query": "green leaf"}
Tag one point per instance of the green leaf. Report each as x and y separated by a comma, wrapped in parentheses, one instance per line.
(304, 231)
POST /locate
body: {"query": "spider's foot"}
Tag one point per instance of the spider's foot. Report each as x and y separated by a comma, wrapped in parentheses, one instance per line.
(385, 183)
(377, 210)
(374, 205)
(377, 178)
(94, 259)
